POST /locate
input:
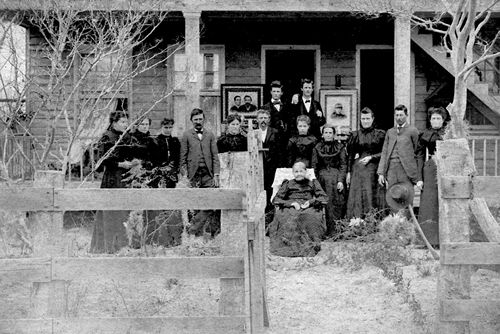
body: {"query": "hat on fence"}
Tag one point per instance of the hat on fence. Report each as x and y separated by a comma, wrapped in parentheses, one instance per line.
(399, 195)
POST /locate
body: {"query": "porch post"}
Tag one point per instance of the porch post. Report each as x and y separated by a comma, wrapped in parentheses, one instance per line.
(193, 63)
(402, 64)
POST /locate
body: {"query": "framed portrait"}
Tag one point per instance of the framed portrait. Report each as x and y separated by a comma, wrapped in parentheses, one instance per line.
(341, 108)
(242, 99)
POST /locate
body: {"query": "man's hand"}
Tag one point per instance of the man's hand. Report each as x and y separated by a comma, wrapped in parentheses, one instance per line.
(319, 113)
(381, 180)
(340, 186)
(365, 160)
(296, 205)
(420, 185)
(348, 179)
(216, 181)
(295, 98)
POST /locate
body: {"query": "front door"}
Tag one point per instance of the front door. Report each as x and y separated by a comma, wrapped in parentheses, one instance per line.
(377, 84)
(289, 67)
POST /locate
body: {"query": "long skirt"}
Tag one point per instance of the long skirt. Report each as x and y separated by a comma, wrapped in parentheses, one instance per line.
(296, 232)
(364, 193)
(429, 207)
(109, 233)
(335, 208)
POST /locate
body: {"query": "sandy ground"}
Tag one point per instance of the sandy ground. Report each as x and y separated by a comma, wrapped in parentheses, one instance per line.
(329, 293)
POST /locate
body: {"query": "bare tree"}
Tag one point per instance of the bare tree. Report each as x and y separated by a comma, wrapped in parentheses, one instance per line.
(86, 60)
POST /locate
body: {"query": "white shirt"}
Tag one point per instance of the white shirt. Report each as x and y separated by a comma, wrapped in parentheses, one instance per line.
(277, 106)
(263, 134)
(307, 104)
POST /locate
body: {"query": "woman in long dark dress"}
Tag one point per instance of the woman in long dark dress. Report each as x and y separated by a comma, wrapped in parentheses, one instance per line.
(298, 225)
(232, 140)
(330, 165)
(115, 146)
(429, 210)
(365, 148)
(301, 146)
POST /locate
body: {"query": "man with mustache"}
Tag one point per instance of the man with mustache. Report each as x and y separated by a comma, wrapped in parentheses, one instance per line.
(200, 160)
(270, 138)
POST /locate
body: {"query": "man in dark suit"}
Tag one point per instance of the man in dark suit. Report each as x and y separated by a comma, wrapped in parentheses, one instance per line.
(270, 138)
(248, 106)
(280, 116)
(306, 105)
(398, 163)
(200, 160)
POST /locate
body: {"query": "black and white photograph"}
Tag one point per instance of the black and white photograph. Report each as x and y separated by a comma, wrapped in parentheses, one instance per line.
(250, 167)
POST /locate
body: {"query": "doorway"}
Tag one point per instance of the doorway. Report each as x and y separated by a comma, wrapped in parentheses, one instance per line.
(289, 65)
(376, 84)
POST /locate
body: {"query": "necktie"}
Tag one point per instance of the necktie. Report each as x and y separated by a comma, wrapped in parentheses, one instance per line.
(399, 128)
(307, 101)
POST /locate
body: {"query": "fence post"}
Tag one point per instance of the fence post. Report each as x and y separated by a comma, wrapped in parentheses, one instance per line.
(453, 158)
(48, 299)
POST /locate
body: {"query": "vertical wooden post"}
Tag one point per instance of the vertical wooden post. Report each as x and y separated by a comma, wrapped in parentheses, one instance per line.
(48, 299)
(402, 62)
(453, 158)
(193, 62)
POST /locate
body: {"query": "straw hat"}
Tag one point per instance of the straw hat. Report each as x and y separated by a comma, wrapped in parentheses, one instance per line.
(399, 195)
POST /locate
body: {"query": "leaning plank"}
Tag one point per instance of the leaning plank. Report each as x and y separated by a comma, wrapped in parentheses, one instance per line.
(125, 267)
(26, 270)
(26, 326)
(487, 188)
(147, 199)
(157, 325)
(26, 199)
(485, 219)
(469, 309)
(465, 253)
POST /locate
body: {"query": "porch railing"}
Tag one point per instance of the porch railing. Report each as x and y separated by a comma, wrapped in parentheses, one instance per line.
(20, 158)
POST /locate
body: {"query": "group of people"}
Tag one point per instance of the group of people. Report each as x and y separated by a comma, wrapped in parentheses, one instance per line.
(352, 177)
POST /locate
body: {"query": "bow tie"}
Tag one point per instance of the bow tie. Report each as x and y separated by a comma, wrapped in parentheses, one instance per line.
(307, 101)
(199, 131)
(277, 102)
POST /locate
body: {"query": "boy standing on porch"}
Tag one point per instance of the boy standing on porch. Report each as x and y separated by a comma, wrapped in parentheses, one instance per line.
(306, 105)
(200, 160)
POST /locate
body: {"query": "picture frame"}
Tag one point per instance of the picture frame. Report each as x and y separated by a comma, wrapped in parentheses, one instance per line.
(228, 104)
(345, 119)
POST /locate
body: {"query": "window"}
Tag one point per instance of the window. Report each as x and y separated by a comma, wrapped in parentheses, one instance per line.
(212, 73)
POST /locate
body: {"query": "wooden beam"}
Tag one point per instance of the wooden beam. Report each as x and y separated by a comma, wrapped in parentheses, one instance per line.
(157, 325)
(147, 199)
(26, 199)
(485, 219)
(470, 253)
(469, 309)
(151, 267)
(456, 187)
(487, 188)
(27, 270)
(26, 326)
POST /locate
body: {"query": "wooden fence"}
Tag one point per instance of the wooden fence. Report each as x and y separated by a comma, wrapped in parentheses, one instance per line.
(464, 198)
(240, 268)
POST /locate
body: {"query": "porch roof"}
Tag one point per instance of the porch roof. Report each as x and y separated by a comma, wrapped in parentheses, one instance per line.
(240, 5)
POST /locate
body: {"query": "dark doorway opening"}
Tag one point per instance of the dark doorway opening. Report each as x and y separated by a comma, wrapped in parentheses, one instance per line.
(289, 67)
(377, 85)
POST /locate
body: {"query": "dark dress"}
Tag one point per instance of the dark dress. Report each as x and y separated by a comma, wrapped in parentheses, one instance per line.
(330, 166)
(364, 193)
(143, 147)
(298, 232)
(109, 233)
(232, 143)
(164, 227)
(429, 208)
(300, 148)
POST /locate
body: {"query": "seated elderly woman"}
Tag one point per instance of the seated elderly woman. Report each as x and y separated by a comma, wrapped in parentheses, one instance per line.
(299, 224)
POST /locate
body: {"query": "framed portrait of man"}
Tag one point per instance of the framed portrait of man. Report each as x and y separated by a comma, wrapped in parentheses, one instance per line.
(340, 108)
(242, 99)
